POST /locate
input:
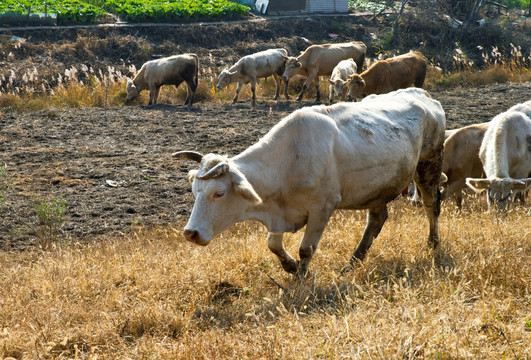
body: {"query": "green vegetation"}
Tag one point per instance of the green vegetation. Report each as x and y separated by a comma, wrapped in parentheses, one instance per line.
(68, 11)
(50, 217)
(78, 11)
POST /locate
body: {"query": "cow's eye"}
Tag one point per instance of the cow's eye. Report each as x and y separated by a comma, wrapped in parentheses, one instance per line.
(219, 194)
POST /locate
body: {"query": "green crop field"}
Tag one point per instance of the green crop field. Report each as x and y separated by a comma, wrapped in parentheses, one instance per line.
(78, 11)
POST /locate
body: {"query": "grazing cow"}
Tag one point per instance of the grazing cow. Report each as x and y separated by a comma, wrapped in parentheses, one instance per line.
(251, 67)
(461, 159)
(390, 74)
(339, 78)
(506, 156)
(318, 60)
(172, 70)
(318, 159)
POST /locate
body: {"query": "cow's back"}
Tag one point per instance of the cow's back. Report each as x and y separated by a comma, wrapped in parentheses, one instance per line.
(506, 147)
(326, 57)
(172, 68)
(380, 142)
(461, 152)
(263, 63)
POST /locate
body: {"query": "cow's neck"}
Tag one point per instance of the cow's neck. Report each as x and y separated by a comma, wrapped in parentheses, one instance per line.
(264, 171)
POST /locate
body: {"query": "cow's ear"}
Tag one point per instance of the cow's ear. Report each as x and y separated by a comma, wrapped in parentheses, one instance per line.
(244, 188)
(520, 184)
(298, 64)
(478, 185)
(191, 175)
(330, 81)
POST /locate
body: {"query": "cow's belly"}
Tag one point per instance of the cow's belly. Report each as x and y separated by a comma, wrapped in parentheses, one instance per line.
(375, 186)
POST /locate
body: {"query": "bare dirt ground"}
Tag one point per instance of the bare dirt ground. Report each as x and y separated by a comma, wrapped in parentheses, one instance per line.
(113, 167)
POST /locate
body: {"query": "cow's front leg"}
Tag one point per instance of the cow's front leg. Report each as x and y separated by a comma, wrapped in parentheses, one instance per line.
(253, 90)
(375, 220)
(309, 80)
(238, 88)
(318, 89)
(276, 245)
(330, 95)
(278, 83)
(317, 220)
(286, 89)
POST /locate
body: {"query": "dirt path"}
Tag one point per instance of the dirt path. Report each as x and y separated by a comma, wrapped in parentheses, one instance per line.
(113, 168)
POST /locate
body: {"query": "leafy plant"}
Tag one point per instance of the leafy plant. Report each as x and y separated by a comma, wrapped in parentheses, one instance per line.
(79, 11)
(50, 217)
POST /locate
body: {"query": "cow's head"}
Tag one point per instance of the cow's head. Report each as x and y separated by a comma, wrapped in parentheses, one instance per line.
(222, 196)
(132, 91)
(500, 191)
(224, 79)
(293, 66)
(338, 85)
(356, 85)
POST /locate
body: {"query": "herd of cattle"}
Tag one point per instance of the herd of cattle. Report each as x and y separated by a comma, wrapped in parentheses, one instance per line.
(350, 155)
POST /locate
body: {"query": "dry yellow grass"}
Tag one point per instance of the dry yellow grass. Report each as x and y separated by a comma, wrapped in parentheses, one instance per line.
(152, 295)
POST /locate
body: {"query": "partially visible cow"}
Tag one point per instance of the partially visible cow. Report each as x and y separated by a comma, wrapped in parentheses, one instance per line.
(461, 159)
(391, 74)
(339, 78)
(318, 159)
(172, 70)
(252, 67)
(318, 60)
(506, 156)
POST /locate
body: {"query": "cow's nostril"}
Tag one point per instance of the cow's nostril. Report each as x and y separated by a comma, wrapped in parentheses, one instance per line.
(191, 235)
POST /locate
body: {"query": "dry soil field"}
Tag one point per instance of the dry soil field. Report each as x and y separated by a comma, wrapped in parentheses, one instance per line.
(112, 167)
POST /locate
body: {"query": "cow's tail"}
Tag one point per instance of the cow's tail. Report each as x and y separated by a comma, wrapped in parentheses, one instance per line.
(196, 75)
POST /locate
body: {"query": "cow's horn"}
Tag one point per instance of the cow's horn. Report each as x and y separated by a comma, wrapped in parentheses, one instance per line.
(192, 155)
(216, 171)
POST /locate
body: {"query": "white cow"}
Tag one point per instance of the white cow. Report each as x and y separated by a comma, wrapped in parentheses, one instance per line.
(338, 79)
(251, 67)
(506, 156)
(318, 159)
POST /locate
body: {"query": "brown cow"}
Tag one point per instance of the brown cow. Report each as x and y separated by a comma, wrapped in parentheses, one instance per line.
(390, 74)
(318, 60)
(461, 159)
(172, 70)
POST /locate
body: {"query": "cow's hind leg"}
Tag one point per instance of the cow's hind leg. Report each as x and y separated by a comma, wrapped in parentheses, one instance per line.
(191, 87)
(429, 174)
(276, 245)
(375, 221)
(419, 81)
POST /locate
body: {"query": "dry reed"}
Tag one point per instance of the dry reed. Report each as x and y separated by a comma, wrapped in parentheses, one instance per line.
(152, 295)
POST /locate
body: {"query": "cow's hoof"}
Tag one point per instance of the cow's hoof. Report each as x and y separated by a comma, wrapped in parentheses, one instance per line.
(291, 266)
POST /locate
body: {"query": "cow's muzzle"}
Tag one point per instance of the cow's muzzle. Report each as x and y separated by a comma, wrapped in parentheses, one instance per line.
(284, 78)
(195, 237)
